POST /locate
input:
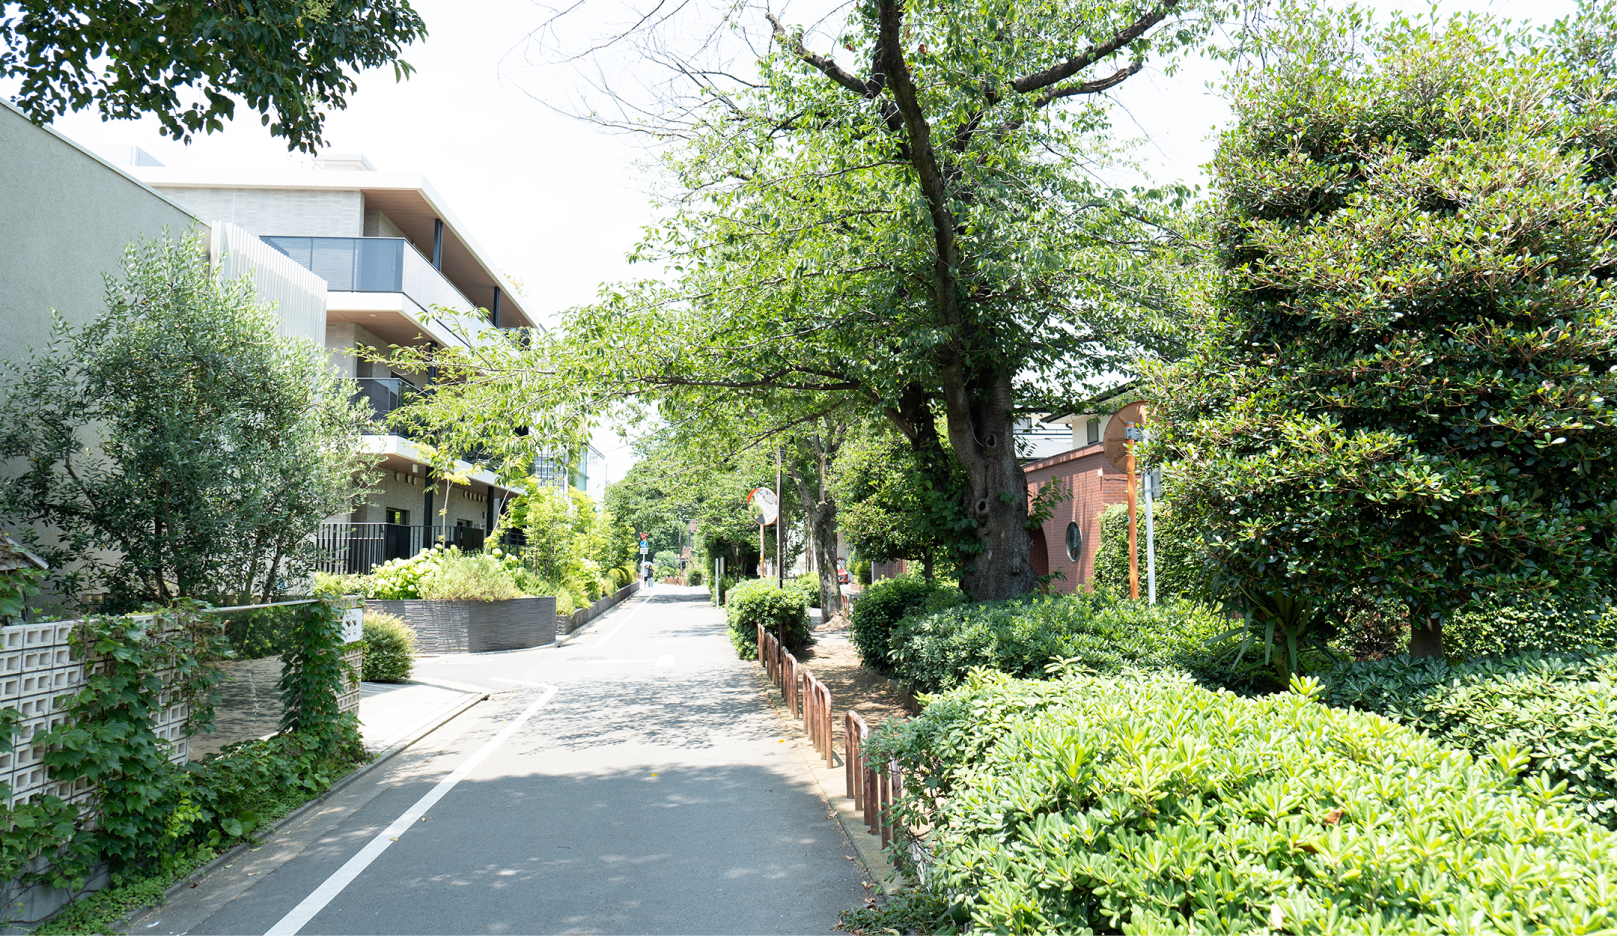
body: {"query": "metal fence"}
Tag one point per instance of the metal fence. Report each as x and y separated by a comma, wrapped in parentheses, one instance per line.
(357, 548)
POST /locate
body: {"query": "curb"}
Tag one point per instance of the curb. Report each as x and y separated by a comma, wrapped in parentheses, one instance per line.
(434, 722)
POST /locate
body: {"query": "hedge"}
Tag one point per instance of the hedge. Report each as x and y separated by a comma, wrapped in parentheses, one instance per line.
(1495, 626)
(760, 601)
(389, 649)
(881, 606)
(1181, 567)
(1145, 803)
(1559, 710)
(1023, 637)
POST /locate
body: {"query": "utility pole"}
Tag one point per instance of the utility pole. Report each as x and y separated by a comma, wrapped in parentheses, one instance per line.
(780, 526)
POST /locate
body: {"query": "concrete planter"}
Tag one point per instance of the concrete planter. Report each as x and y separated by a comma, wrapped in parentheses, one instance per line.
(476, 626)
(583, 616)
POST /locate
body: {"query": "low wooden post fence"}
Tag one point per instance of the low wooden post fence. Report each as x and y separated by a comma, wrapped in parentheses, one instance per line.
(874, 788)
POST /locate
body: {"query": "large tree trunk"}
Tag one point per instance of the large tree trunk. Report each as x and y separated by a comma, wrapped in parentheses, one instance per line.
(982, 433)
(1425, 634)
(810, 471)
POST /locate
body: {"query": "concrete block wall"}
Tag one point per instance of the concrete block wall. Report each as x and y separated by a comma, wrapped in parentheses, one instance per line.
(37, 674)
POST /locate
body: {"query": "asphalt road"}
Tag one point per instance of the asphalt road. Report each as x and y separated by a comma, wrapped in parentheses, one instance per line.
(632, 781)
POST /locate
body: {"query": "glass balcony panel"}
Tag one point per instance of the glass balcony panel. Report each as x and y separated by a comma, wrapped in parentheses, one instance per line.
(333, 261)
(380, 262)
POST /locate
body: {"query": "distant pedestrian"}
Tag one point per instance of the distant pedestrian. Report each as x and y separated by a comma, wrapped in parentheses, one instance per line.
(645, 571)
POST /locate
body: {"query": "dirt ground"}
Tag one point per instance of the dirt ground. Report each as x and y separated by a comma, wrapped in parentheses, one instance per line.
(835, 662)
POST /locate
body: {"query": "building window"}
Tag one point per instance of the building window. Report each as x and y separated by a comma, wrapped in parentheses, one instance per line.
(1093, 431)
(1075, 542)
(397, 516)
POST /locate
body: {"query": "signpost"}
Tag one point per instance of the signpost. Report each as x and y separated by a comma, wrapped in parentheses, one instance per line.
(765, 510)
(1126, 428)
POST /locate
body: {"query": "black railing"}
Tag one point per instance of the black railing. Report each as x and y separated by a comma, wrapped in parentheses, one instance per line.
(357, 548)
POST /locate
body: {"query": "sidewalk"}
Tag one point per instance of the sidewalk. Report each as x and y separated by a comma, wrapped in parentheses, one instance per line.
(391, 713)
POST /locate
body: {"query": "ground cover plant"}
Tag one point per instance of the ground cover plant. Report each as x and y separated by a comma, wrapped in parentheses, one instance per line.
(1023, 637)
(782, 611)
(1146, 803)
(1559, 710)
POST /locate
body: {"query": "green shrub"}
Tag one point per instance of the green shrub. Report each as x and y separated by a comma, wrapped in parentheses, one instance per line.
(621, 576)
(1145, 803)
(389, 649)
(460, 577)
(881, 606)
(1560, 710)
(809, 584)
(693, 575)
(1022, 637)
(860, 568)
(1500, 626)
(759, 601)
(1181, 565)
(721, 588)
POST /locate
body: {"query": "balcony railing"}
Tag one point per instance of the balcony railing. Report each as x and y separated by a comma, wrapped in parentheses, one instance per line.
(374, 264)
(357, 548)
(385, 394)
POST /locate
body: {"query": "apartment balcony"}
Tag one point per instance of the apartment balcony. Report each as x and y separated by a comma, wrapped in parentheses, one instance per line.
(384, 284)
(384, 395)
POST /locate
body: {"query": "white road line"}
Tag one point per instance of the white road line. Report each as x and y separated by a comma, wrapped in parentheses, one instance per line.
(334, 885)
(520, 682)
(621, 626)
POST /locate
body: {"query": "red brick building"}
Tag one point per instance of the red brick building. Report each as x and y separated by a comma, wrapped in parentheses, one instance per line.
(1093, 484)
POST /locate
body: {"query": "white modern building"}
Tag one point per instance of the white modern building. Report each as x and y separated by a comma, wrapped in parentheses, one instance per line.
(393, 257)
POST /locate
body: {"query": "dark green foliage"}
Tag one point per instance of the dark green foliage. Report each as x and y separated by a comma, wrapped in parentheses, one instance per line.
(1559, 711)
(1181, 564)
(1405, 385)
(694, 576)
(783, 611)
(178, 446)
(248, 785)
(1145, 803)
(313, 675)
(187, 64)
(389, 649)
(883, 605)
(1024, 636)
(1502, 626)
(258, 632)
(908, 911)
(897, 502)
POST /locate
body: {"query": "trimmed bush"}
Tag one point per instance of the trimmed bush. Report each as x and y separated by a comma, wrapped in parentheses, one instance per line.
(389, 649)
(1181, 563)
(1559, 710)
(693, 575)
(759, 601)
(460, 577)
(1147, 804)
(809, 584)
(883, 605)
(1498, 626)
(1022, 637)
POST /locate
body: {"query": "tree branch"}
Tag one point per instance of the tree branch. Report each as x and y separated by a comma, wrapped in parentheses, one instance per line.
(1063, 70)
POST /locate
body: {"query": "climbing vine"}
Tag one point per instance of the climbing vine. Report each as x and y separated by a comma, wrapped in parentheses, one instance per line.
(313, 677)
(135, 668)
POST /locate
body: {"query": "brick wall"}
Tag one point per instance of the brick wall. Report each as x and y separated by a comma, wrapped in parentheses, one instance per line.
(1094, 484)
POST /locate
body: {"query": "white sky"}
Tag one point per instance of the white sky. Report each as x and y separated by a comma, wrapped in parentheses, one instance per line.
(559, 202)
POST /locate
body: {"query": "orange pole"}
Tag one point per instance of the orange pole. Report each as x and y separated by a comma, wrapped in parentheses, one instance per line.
(1134, 547)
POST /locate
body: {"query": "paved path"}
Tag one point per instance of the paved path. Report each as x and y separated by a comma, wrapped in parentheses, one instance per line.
(631, 781)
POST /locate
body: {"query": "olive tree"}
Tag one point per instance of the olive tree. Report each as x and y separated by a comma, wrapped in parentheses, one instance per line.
(178, 446)
(1405, 386)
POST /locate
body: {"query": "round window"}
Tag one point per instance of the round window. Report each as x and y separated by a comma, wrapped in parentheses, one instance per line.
(1075, 542)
